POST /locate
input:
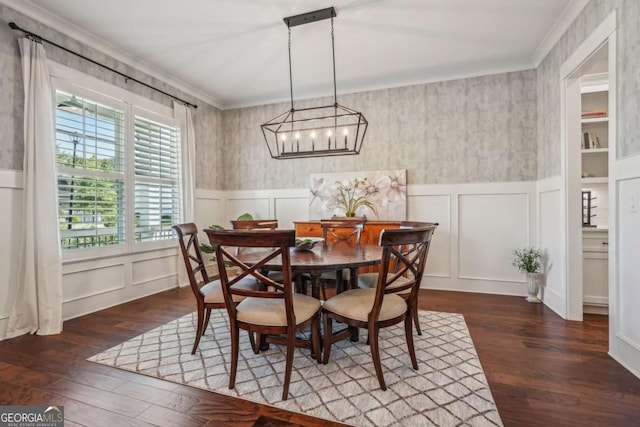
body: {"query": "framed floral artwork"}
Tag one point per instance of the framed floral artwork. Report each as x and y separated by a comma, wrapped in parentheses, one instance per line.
(378, 195)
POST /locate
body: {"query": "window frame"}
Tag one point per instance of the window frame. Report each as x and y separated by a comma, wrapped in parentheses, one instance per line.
(67, 79)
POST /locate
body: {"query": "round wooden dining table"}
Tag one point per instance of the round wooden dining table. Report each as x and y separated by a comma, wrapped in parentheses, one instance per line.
(323, 258)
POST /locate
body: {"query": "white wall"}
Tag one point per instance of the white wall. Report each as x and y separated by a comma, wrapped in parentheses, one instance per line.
(480, 224)
(550, 205)
(10, 214)
(88, 285)
(624, 275)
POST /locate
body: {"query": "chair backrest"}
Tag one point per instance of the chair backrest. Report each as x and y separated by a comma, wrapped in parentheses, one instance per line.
(416, 224)
(270, 244)
(254, 224)
(338, 230)
(404, 255)
(192, 256)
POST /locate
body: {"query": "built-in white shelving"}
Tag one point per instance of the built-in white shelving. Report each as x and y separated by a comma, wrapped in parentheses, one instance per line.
(595, 170)
(597, 180)
(595, 120)
(595, 150)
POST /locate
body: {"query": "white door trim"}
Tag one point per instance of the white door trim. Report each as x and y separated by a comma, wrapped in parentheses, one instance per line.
(569, 153)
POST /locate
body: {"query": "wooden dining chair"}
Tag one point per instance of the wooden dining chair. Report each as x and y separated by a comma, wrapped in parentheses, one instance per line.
(208, 292)
(339, 231)
(275, 310)
(254, 224)
(258, 224)
(370, 280)
(382, 306)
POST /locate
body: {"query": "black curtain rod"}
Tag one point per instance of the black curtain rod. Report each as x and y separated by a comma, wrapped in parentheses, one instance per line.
(14, 26)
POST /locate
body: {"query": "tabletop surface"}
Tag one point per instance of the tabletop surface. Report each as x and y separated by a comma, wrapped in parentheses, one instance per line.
(321, 257)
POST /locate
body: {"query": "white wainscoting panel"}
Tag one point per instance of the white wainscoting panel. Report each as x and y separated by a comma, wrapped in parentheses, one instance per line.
(260, 208)
(151, 269)
(628, 250)
(84, 283)
(496, 214)
(11, 214)
(94, 284)
(434, 208)
(491, 226)
(285, 205)
(210, 209)
(288, 210)
(624, 246)
(551, 232)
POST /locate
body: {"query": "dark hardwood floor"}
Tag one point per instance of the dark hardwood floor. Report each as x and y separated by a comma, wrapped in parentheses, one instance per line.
(542, 370)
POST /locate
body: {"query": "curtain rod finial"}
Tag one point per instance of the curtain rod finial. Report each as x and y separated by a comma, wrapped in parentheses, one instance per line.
(13, 26)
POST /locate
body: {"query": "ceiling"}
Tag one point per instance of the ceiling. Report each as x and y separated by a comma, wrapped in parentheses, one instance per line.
(234, 53)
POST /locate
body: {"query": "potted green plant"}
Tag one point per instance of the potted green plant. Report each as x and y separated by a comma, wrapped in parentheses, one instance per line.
(527, 261)
(209, 249)
(351, 196)
(245, 217)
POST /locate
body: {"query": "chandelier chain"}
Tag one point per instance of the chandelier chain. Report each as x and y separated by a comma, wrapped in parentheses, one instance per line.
(333, 53)
(290, 72)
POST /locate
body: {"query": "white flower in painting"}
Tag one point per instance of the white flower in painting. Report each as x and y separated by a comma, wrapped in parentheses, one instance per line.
(397, 188)
(376, 192)
(318, 190)
(333, 201)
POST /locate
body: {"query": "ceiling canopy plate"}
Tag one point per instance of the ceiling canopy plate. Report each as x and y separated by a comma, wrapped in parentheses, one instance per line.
(309, 17)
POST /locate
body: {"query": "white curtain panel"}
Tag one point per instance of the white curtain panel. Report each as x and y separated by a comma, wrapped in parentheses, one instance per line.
(182, 115)
(37, 307)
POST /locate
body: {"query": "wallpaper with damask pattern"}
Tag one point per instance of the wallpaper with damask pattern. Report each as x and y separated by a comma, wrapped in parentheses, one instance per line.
(628, 92)
(497, 128)
(481, 129)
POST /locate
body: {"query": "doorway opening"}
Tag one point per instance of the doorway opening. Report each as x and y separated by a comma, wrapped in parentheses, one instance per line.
(588, 139)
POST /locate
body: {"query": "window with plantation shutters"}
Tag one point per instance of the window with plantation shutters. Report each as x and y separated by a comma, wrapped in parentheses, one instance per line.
(156, 193)
(91, 172)
(118, 172)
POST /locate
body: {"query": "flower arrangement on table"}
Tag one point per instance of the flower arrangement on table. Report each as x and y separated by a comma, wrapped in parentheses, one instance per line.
(351, 196)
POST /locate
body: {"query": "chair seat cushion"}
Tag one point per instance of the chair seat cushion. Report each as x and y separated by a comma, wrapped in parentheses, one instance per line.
(370, 280)
(357, 303)
(276, 276)
(212, 291)
(271, 311)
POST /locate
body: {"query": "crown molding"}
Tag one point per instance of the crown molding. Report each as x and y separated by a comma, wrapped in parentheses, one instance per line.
(71, 30)
(559, 28)
(468, 73)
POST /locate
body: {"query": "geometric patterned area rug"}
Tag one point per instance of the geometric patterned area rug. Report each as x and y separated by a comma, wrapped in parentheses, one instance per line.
(448, 389)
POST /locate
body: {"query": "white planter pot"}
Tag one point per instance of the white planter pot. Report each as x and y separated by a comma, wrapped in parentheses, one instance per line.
(533, 287)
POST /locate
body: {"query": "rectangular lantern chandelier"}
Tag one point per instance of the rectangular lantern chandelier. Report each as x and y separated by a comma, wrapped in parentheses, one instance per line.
(330, 130)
